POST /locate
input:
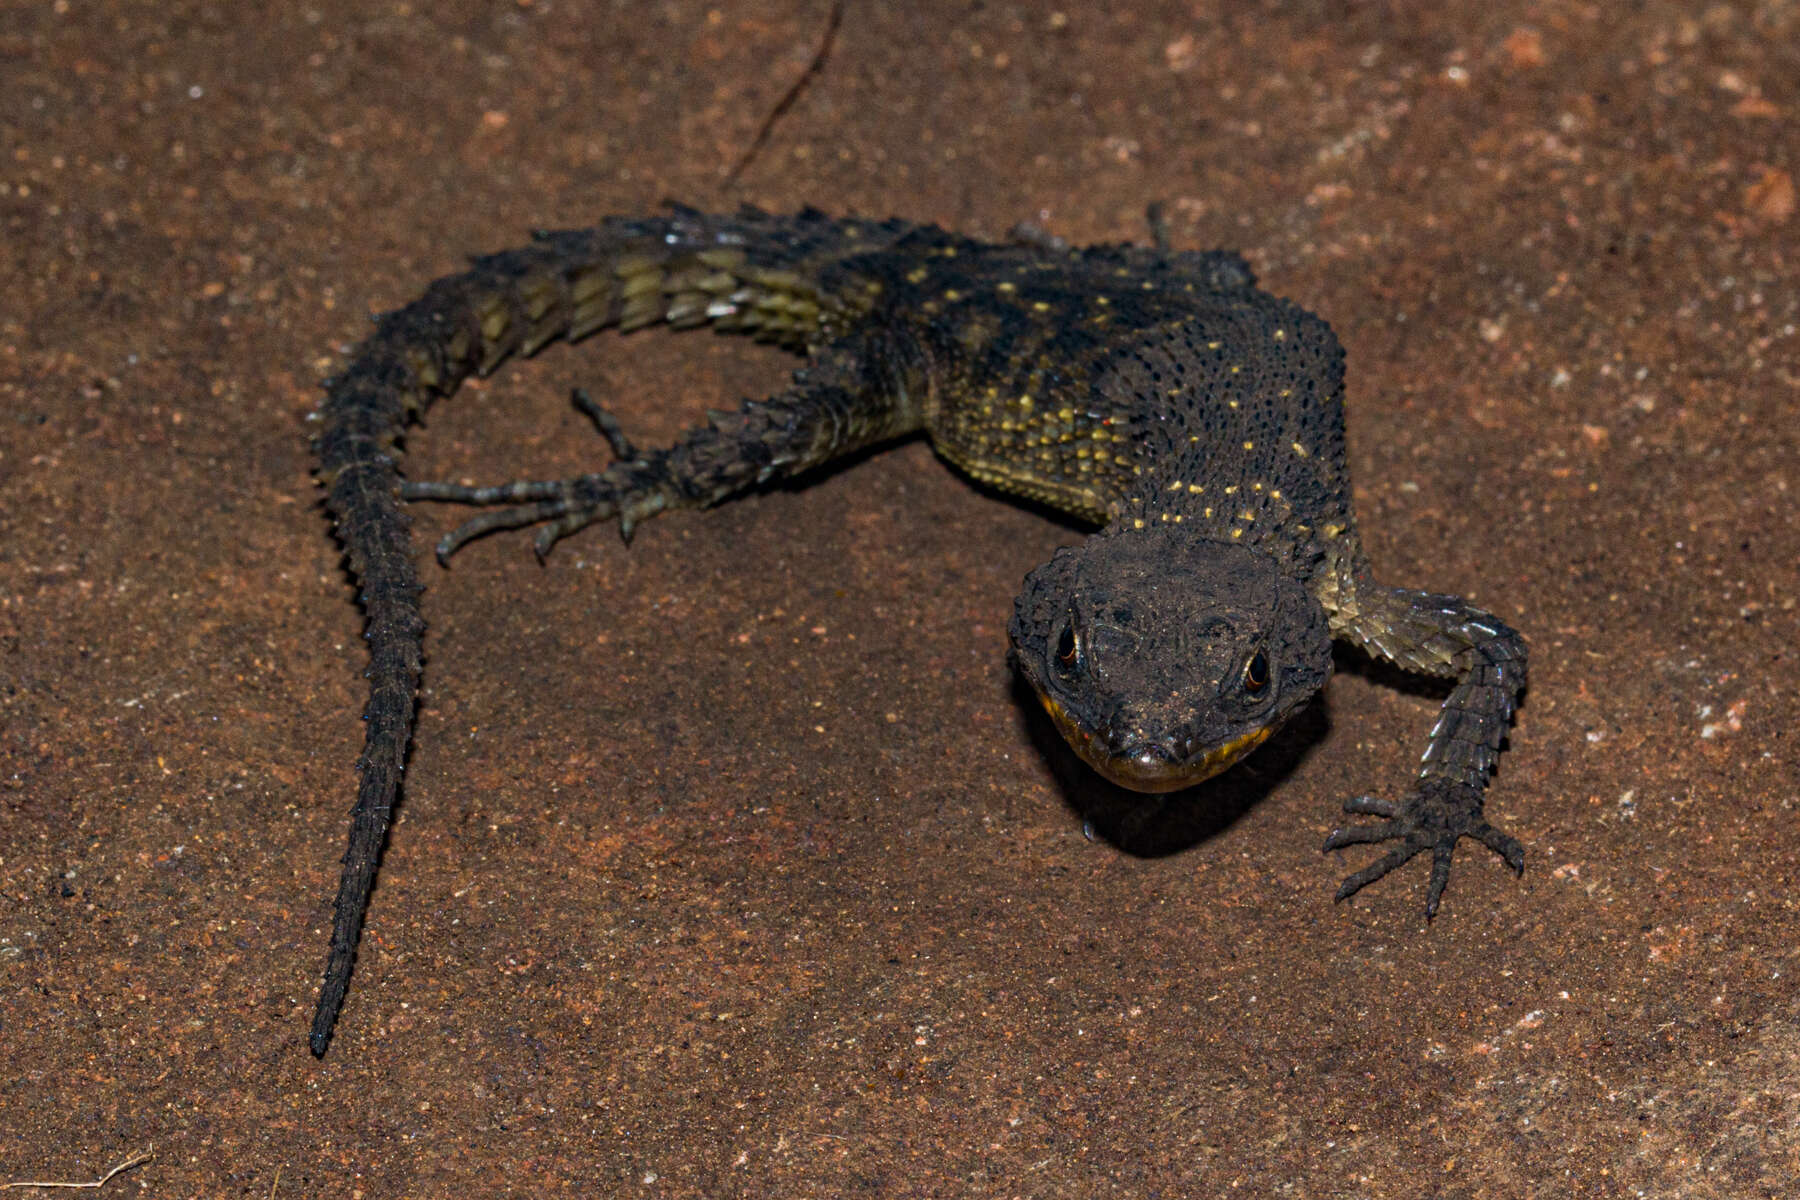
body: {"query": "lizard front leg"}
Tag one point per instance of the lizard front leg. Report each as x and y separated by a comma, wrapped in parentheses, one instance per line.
(1447, 637)
(855, 393)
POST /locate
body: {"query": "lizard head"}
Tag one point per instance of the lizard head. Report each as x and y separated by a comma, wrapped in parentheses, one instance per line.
(1162, 657)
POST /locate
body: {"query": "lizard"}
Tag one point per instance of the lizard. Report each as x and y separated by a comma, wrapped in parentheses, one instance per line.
(1192, 419)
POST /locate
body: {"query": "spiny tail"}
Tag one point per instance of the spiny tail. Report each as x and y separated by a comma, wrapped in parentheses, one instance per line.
(769, 277)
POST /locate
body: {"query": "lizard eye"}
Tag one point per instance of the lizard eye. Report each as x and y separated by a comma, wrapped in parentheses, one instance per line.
(1067, 648)
(1256, 673)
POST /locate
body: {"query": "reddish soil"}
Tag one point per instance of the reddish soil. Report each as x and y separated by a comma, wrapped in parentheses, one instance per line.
(731, 864)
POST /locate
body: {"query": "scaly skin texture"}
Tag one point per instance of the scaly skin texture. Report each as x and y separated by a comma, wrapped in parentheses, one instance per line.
(1195, 419)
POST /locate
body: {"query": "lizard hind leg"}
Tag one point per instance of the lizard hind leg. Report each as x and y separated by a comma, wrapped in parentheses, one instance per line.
(853, 394)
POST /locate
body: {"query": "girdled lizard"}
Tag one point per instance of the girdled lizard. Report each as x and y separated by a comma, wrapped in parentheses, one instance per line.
(1195, 419)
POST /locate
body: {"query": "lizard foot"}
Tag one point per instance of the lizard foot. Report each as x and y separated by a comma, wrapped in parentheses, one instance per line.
(1435, 817)
(632, 489)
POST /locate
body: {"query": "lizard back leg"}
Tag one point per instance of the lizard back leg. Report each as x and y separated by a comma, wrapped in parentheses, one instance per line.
(853, 394)
(1447, 637)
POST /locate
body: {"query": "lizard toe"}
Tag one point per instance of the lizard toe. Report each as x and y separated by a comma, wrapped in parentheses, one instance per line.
(1359, 835)
(1511, 852)
(1397, 856)
(1373, 806)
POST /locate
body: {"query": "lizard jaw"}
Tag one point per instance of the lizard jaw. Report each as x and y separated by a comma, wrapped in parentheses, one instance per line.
(1147, 770)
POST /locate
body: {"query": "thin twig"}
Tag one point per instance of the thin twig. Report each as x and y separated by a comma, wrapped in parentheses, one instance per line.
(134, 1160)
(786, 102)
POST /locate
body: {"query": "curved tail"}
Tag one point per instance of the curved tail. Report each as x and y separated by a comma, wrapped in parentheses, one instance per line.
(751, 273)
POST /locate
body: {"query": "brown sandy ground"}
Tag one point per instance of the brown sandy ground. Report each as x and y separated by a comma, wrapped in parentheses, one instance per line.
(730, 864)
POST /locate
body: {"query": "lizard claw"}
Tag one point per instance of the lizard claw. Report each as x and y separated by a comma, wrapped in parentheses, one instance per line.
(1435, 817)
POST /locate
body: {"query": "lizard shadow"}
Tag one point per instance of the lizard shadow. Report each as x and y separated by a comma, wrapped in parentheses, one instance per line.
(1156, 826)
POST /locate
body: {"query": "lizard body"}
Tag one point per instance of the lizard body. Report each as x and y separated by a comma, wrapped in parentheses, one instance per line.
(1195, 419)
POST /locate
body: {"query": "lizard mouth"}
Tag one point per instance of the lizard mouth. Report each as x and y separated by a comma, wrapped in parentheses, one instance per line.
(1151, 768)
